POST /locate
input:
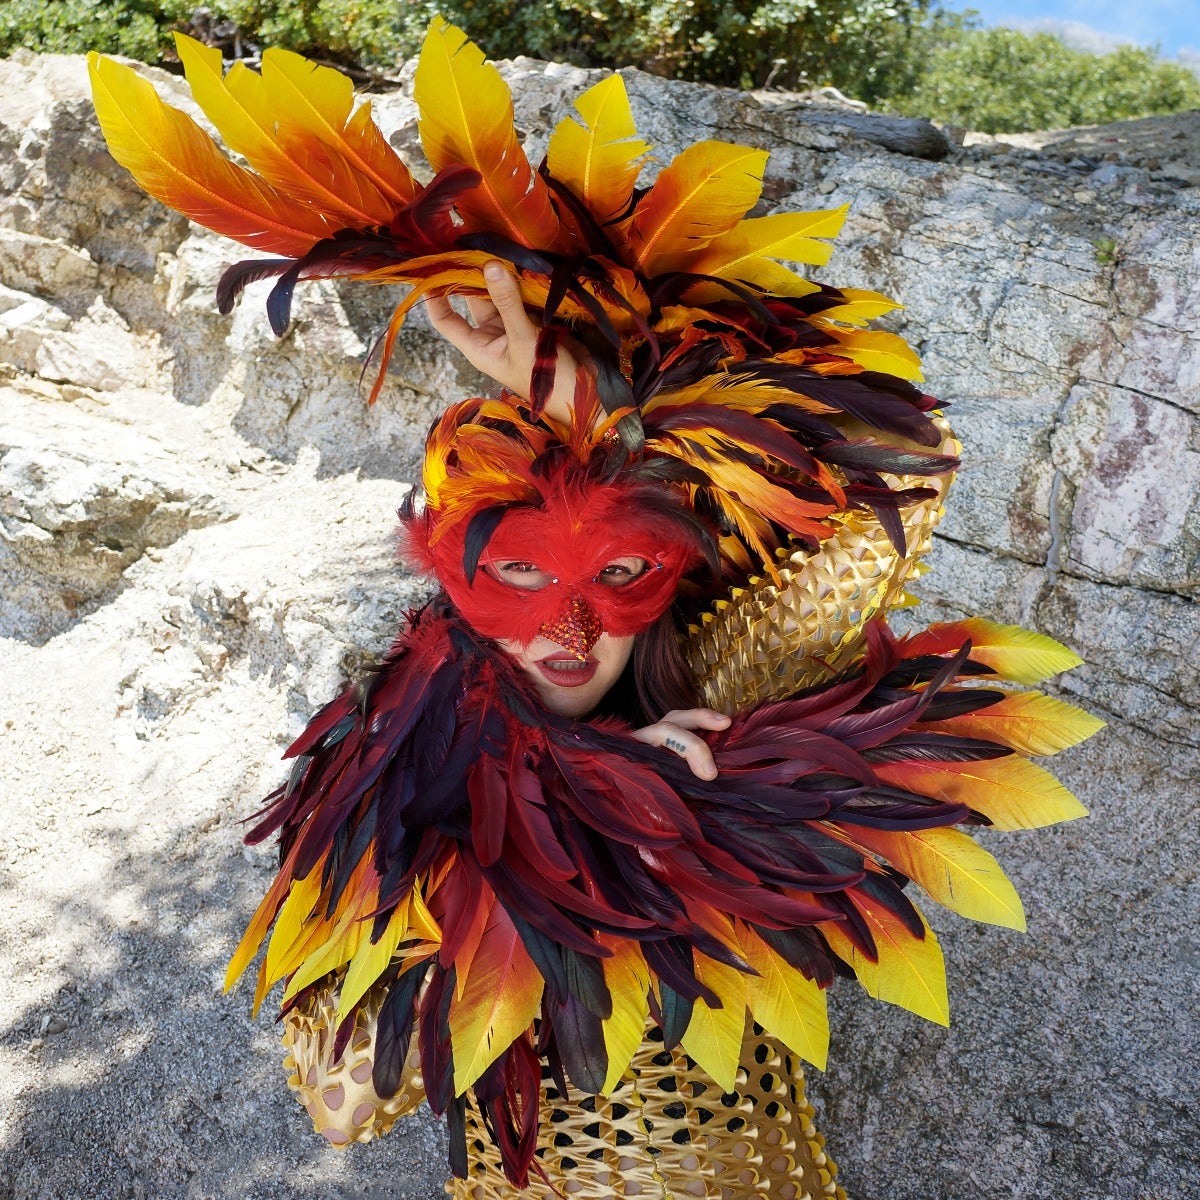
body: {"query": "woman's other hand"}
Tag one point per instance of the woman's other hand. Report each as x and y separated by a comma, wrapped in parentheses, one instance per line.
(500, 339)
(675, 732)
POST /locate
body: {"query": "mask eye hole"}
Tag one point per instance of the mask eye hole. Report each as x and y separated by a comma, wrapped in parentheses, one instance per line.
(525, 576)
(622, 571)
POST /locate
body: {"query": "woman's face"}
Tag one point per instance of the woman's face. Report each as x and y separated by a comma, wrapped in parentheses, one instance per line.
(570, 684)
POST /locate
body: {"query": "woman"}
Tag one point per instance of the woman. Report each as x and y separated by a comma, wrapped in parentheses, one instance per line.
(544, 862)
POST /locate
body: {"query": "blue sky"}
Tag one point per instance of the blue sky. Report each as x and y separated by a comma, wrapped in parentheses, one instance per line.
(1173, 24)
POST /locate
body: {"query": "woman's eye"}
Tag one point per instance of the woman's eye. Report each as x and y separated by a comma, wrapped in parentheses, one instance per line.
(621, 571)
(527, 576)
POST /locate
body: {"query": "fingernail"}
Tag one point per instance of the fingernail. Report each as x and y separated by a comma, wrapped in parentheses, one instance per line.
(494, 270)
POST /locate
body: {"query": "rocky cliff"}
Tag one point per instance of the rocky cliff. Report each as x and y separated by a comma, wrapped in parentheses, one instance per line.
(196, 547)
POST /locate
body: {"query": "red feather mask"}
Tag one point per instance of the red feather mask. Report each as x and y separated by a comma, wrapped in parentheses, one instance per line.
(532, 535)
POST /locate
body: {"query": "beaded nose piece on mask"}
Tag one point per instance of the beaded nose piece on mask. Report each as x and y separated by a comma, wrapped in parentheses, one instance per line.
(576, 628)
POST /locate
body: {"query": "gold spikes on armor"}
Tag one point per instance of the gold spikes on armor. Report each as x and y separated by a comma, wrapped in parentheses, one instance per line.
(769, 640)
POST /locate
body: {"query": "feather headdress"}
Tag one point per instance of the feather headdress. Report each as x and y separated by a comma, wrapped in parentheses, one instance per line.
(756, 378)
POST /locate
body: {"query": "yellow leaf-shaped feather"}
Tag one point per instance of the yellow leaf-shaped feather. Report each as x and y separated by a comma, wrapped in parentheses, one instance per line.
(790, 236)
(714, 1035)
(953, 868)
(174, 160)
(371, 960)
(784, 1002)
(292, 926)
(874, 350)
(599, 160)
(258, 927)
(321, 100)
(628, 980)
(1016, 654)
(910, 972)
(704, 192)
(466, 116)
(1027, 722)
(251, 114)
(1011, 792)
(860, 307)
(498, 1003)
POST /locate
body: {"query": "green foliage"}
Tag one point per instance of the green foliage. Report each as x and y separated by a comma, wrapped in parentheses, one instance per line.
(135, 28)
(999, 80)
(858, 44)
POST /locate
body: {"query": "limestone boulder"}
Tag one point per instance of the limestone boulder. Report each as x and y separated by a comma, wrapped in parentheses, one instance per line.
(197, 551)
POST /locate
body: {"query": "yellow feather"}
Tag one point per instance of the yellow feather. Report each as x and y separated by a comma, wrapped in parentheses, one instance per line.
(784, 1002)
(371, 960)
(861, 306)
(1027, 722)
(953, 868)
(250, 113)
(256, 930)
(761, 273)
(874, 350)
(714, 1035)
(292, 924)
(499, 1002)
(599, 160)
(790, 236)
(466, 116)
(1011, 792)
(320, 100)
(1018, 654)
(910, 972)
(628, 980)
(702, 194)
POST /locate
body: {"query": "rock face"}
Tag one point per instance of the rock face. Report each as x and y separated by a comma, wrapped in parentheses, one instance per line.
(195, 536)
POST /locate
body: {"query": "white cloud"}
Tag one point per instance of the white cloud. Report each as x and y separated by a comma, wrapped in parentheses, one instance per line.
(1081, 36)
(1075, 34)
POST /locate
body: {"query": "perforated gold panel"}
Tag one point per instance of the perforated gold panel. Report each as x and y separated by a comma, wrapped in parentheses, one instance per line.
(667, 1132)
(339, 1097)
(770, 639)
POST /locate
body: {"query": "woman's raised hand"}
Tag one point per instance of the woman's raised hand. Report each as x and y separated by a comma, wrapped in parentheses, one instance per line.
(500, 339)
(674, 732)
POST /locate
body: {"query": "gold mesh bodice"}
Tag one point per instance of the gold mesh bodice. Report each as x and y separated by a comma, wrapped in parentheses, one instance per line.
(666, 1131)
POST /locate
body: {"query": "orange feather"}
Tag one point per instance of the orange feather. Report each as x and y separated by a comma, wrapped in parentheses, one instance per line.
(703, 193)
(174, 160)
(466, 116)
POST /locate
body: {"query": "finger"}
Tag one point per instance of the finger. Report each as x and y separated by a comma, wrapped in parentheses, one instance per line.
(697, 718)
(481, 309)
(454, 328)
(505, 292)
(690, 748)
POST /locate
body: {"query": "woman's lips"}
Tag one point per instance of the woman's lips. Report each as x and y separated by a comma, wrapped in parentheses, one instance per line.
(565, 670)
